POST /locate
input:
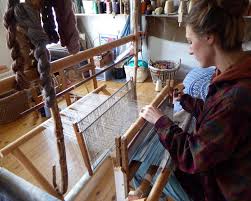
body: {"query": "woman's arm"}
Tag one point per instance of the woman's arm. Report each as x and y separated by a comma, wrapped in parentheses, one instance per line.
(192, 105)
(215, 140)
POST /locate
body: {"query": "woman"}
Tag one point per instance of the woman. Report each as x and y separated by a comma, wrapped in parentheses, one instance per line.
(219, 151)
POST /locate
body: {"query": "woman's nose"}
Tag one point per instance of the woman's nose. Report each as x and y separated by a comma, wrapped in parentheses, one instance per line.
(190, 51)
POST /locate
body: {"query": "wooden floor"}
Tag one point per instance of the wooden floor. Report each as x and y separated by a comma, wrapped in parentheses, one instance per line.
(43, 152)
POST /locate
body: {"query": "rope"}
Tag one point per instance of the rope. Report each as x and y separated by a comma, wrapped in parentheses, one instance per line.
(29, 19)
(12, 43)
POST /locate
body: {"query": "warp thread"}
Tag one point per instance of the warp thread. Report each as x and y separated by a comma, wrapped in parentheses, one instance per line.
(29, 18)
(48, 21)
(69, 35)
(12, 43)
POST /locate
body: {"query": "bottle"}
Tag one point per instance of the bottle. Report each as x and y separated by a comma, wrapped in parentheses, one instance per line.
(143, 7)
(158, 86)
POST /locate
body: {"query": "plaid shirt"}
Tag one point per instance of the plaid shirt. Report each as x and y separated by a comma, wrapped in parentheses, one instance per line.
(220, 148)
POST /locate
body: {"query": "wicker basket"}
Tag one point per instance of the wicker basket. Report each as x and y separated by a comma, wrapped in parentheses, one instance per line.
(164, 74)
(12, 104)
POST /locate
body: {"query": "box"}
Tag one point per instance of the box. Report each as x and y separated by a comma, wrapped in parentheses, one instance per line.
(107, 75)
(103, 60)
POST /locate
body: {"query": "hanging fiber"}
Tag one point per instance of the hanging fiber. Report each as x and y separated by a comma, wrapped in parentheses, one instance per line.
(29, 19)
(26, 49)
(48, 21)
(18, 60)
(69, 35)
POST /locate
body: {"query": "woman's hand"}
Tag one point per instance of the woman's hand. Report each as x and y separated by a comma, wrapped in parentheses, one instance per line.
(151, 114)
(178, 92)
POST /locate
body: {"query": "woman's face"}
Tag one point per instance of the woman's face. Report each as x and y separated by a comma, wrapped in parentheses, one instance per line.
(201, 47)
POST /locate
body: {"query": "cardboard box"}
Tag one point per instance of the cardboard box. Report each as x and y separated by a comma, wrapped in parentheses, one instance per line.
(103, 60)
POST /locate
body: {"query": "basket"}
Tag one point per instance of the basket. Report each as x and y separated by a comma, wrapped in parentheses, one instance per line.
(12, 104)
(164, 74)
(142, 71)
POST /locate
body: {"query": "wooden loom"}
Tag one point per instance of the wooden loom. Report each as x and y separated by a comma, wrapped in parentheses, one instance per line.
(56, 66)
(124, 170)
(123, 144)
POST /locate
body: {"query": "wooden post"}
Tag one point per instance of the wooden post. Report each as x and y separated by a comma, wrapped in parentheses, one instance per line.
(159, 185)
(83, 149)
(136, 41)
(18, 154)
(120, 182)
(64, 85)
(145, 186)
(125, 163)
(95, 83)
(118, 151)
(34, 95)
(61, 150)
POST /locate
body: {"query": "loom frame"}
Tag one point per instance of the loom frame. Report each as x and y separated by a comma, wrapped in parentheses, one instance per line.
(59, 66)
(56, 66)
(123, 146)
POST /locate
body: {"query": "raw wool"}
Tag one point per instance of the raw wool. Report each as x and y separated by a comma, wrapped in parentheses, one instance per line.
(18, 60)
(48, 21)
(69, 35)
(29, 19)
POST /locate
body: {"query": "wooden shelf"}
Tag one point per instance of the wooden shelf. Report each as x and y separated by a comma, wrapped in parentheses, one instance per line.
(176, 16)
(163, 15)
(102, 14)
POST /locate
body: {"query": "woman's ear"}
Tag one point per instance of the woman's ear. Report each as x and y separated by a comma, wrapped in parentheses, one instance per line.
(210, 39)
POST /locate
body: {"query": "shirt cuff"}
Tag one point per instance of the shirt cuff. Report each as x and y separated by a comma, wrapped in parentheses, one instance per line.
(163, 122)
(183, 102)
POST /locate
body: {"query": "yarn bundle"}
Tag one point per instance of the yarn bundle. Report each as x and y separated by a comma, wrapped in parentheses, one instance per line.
(27, 39)
(13, 44)
(29, 19)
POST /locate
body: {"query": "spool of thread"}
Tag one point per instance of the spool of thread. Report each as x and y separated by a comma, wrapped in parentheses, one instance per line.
(99, 7)
(143, 7)
(169, 7)
(102, 7)
(126, 7)
(113, 6)
(121, 8)
(158, 86)
(117, 8)
(95, 7)
(153, 4)
(108, 7)
(191, 3)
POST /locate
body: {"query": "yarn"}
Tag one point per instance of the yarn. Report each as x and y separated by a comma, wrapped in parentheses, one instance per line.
(48, 21)
(69, 35)
(29, 18)
(26, 49)
(12, 43)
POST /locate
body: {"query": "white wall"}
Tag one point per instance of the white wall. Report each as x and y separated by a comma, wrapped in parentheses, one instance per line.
(94, 25)
(5, 58)
(159, 49)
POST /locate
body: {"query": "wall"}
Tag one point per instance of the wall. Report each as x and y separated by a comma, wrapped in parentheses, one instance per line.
(96, 24)
(160, 49)
(167, 41)
(5, 58)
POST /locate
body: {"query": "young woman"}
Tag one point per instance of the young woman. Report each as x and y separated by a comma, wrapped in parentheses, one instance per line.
(219, 151)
